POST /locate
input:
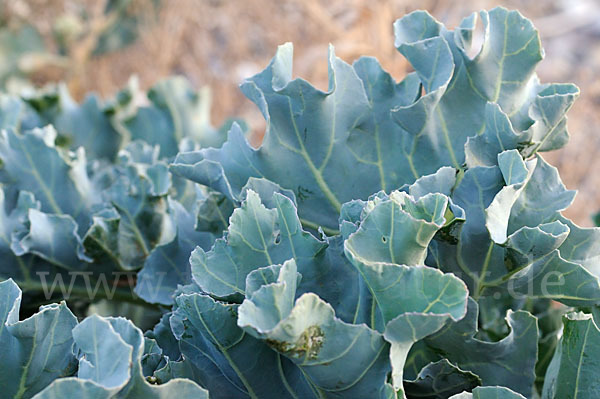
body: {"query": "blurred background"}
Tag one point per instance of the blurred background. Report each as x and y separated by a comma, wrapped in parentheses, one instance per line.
(97, 45)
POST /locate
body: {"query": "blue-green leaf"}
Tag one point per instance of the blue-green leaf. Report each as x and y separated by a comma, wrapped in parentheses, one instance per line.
(138, 219)
(509, 362)
(167, 266)
(397, 229)
(176, 111)
(35, 351)
(110, 353)
(257, 237)
(338, 359)
(86, 125)
(496, 392)
(228, 361)
(439, 380)
(53, 238)
(348, 131)
(32, 163)
(573, 371)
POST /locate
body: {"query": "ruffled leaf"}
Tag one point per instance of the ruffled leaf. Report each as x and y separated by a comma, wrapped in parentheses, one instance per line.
(35, 351)
(110, 355)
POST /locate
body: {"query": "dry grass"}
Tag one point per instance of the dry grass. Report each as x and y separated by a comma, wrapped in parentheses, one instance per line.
(220, 42)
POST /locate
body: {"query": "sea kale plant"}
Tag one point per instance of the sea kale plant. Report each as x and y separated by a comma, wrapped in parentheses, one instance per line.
(386, 240)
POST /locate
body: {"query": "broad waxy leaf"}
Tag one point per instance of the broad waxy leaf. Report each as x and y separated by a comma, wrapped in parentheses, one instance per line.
(539, 205)
(110, 353)
(398, 230)
(269, 312)
(18, 268)
(509, 362)
(424, 310)
(16, 114)
(214, 212)
(420, 315)
(228, 361)
(252, 242)
(167, 265)
(136, 217)
(86, 125)
(323, 283)
(62, 192)
(537, 241)
(489, 393)
(339, 359)
(542, 199)
(259, 236)
(163, 336)
(32, 163)
(348, 131)
(491, 253)
(414, 301)
(176, 112)
(35, 351)
(144, 219)
(573, 371)
(580, 245)
(440, 380)
(126, 204)
(53, 238)
(497, 137)
(516, 174)
(189, 111)
(40, 272)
